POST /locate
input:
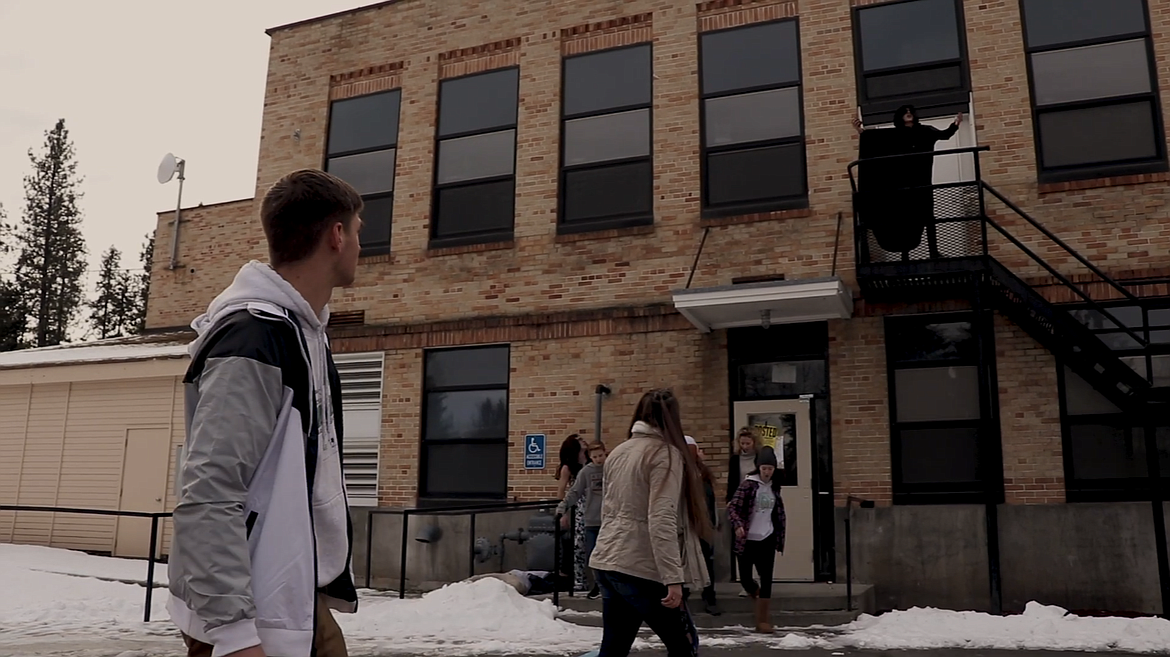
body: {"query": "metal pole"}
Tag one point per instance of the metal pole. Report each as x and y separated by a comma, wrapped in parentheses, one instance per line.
(471, 548)
(150, 567)
(369, 547)
(557, 560)
(1157, 507)
(848, 559)
(402, 569)
(178, 216)
(987, 395)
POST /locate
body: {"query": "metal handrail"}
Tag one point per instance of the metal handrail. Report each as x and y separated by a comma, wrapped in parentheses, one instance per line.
(1060, 277)
(949, 151)
(154, 518)
(1059, 242)
(471, 510)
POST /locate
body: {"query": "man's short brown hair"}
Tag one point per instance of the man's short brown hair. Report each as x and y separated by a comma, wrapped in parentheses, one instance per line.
(299, 208)
(596, 446)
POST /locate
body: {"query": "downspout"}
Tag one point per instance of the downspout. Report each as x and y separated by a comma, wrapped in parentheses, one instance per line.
(601, 391)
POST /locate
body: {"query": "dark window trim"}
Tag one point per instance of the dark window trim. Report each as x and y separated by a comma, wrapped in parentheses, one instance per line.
(423, 442)
(379, 248)
(480, 237)
(1158, 164)
(943, 97)
(565, 227)
(774, 204)
(989, 485)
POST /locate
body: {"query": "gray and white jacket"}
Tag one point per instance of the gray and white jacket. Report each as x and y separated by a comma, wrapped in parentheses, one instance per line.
(262, 521)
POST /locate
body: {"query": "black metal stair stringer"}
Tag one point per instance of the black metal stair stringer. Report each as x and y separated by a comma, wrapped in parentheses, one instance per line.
(1064, 336)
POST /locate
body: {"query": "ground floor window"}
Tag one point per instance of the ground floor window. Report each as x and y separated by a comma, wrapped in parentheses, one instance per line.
(465, 423)
(1104, 447)
(944, 439)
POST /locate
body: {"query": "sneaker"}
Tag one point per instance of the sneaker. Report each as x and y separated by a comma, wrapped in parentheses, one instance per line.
(742, 594)
(594, 593)
(712, 608)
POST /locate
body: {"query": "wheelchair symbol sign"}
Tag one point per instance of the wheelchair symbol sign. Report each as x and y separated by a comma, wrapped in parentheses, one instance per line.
(534, 444)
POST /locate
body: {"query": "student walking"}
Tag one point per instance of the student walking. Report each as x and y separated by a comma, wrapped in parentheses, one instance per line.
(710, 602)
(652, 520)
(586, 494)
(262, 536)
(757, 514)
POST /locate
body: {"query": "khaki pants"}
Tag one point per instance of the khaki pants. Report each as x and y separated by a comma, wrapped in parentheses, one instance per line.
(329, 641)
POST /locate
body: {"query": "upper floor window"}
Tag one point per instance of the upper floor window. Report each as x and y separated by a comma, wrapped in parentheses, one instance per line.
(475, 173)
(944, 443)
(1094, 91)
(911, 53)
(607, 176)
(753, 126)
(362, 149)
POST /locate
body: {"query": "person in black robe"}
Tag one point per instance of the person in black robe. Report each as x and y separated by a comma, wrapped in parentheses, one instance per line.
(898, 200)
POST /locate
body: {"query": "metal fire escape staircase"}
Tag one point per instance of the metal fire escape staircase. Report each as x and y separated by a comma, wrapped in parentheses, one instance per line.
(979, 256)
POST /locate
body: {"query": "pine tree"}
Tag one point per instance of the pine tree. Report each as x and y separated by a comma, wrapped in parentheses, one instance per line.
(146, 257)
(114, 313)
(51, 263)
(12, 311)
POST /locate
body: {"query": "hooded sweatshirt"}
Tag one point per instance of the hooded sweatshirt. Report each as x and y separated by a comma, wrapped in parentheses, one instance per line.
(263, 452)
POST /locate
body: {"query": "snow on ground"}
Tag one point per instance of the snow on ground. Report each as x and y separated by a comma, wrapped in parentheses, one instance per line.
(1040, 627)
(72, 603)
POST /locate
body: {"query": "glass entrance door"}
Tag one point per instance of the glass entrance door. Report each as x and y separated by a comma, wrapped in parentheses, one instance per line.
(784, 426)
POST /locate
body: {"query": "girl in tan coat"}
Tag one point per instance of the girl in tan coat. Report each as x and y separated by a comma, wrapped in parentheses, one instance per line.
(652, 519)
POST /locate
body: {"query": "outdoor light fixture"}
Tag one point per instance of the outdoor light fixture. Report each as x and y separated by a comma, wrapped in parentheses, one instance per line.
(765, 318)
(429, 534)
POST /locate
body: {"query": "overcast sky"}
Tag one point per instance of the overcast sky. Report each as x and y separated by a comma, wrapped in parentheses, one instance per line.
(134, 79)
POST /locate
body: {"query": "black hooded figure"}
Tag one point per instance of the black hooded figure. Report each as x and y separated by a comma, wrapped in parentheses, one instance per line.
(898, 198)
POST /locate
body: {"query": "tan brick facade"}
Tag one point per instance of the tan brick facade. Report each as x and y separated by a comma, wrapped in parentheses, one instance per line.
(569, 304)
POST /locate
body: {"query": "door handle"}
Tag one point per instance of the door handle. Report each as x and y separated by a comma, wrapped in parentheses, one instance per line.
(158, 499)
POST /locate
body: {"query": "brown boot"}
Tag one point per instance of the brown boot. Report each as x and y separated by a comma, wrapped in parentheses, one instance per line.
(763, 615)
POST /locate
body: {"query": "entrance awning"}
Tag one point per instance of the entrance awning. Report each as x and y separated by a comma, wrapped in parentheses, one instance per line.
(764, 304)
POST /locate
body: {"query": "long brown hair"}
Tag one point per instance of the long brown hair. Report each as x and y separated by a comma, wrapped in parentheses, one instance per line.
(659, 409)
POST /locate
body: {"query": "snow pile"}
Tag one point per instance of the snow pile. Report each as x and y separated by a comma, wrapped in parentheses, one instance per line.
(68, 562)
(1040, 627)
(485, 616)
(49, 604)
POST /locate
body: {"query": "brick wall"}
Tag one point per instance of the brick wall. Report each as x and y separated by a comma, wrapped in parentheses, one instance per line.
(416, 297)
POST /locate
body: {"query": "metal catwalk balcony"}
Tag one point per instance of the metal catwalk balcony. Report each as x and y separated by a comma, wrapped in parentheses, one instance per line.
(942, 241)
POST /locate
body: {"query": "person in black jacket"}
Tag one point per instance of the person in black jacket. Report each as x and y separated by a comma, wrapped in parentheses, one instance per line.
(711, 604)
(900, 199)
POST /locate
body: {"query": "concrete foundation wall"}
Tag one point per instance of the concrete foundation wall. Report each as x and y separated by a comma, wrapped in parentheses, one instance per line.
(1088, 557)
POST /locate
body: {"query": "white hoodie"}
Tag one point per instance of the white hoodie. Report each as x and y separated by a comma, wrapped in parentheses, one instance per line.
(258, 286)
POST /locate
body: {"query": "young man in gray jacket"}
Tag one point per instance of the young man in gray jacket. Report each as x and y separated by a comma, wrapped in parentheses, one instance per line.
(262, 544)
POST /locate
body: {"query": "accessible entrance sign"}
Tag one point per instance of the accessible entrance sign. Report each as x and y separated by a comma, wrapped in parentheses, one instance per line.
(534, 450)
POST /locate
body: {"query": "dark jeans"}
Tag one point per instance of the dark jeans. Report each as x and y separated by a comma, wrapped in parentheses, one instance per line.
(590, 543)
(627, 602)
(762, 556)
(709, 557)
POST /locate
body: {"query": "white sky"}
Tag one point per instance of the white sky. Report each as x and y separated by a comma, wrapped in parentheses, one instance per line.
(134, 79)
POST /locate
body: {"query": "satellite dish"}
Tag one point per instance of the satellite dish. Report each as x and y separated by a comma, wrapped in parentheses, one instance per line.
(167, 168)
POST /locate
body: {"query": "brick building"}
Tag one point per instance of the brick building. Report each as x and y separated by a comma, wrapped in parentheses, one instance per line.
(656, 193)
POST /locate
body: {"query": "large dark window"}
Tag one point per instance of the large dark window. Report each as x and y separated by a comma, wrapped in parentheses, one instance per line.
(475, 169)
(607, 177)
(1094, 90)
(465, 423)
(362, 148)
(911, 52)
(753, 125)
(943, 442)
(1104, 447)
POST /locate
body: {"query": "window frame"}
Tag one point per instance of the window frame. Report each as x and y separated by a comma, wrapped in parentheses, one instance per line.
(565, 227)
(1096, 170)
(988, 488)
(937, 104)
(376, 249)
(503, 443)
(479, 237)
(800, 202)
